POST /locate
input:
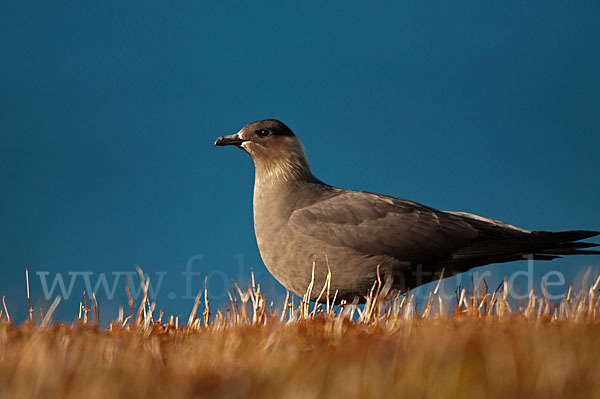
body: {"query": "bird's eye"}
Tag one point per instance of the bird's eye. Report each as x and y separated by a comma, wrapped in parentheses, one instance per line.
(262, 133)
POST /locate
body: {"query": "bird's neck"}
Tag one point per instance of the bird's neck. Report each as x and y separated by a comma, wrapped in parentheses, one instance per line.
(276, 188)
(280, 173)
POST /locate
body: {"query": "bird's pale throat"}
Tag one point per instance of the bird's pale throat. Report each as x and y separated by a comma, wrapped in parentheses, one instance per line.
(282, 170)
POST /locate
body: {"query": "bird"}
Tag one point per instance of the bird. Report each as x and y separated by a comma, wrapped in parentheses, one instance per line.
(307, 230)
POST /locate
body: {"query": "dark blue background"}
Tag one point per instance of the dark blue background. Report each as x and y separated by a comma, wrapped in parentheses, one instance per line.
(108, 112)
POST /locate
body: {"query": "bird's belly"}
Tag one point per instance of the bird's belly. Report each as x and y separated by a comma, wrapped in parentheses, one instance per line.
(290, 257)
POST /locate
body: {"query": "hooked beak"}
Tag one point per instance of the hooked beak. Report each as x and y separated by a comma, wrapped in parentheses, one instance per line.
(232, 139)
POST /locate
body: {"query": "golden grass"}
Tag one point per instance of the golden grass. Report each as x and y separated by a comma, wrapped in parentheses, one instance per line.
(251, 349)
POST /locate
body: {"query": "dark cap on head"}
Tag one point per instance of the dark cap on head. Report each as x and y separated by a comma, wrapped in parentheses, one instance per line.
(256, 131)
(273, 127)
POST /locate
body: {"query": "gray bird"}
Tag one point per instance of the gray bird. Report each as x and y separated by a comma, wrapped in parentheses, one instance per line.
(301, 222)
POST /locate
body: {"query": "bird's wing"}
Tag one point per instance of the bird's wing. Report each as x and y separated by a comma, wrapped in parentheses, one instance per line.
(375, 224)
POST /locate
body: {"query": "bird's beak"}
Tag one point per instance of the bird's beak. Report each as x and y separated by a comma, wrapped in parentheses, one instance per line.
(232, 139)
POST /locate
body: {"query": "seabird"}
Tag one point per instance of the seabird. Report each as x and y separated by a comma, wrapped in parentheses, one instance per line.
(304, 225)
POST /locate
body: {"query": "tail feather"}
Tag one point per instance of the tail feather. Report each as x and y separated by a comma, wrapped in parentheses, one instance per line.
(539, 245)
(564, 242)
(578, 245)
(569, 251)
(564, 236)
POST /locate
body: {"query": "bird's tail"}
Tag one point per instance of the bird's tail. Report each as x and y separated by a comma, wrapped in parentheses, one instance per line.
(538, 245)
(550, 245)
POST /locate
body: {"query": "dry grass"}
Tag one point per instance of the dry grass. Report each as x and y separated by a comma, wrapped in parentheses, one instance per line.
(251, 349)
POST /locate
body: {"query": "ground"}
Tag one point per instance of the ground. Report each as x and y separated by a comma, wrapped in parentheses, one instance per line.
(484, 348)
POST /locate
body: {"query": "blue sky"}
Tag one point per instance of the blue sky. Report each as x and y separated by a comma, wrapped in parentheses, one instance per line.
(108, 113)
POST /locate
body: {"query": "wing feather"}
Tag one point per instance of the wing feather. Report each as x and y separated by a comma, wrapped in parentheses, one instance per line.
(375, 224)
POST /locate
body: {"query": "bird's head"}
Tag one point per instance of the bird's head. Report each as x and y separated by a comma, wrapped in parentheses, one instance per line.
(271, 144)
